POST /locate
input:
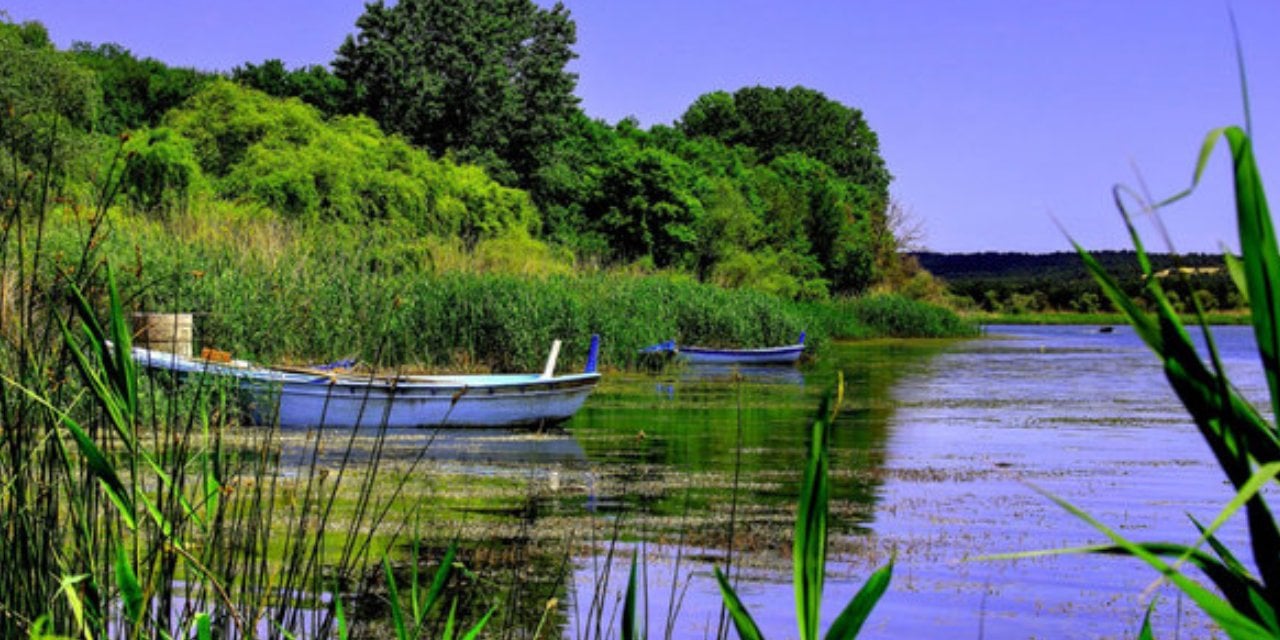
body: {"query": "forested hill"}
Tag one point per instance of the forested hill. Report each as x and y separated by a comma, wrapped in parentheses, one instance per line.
(957, 267)
(1013, 282)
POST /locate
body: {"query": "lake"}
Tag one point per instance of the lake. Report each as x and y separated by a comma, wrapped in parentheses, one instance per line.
(934, 458)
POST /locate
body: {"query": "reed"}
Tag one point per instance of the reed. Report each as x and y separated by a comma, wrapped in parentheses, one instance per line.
(125, 510)
(305, 294)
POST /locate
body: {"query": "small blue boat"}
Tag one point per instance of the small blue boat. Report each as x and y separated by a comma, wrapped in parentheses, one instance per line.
(788, 354)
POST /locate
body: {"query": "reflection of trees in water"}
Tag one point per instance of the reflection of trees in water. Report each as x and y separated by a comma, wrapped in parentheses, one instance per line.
(663, 445)
(686, 439)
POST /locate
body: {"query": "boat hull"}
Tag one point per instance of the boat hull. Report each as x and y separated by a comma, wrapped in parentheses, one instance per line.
(520, 402)
(774, 355)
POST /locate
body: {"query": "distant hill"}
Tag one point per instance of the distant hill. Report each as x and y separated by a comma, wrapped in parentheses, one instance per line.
(1004, 281)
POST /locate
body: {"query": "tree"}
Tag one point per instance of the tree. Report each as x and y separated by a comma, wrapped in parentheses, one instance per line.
(136, 93)
(484, 80)
(281, 154)
(47, 104)
(777, 121)
(314, 85)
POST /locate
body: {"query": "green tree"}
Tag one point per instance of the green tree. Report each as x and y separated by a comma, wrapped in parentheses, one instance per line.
(136, 92)
(160, 171)
(281, 154)
(778, 121)
(833, 216)
(482, 79)
(314, 85)
(47, 104)
(648, 207)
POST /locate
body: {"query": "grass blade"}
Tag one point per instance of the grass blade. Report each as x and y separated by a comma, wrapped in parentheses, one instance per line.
(850, 621)
(130, 589)
(1236, 625)
(451, 621)
(440, 579)
(397, 611)
(742, 621)
(475, 631)
(339, 615)
(809, 548)
(632, 626)
(1146, 633)
(204, 628)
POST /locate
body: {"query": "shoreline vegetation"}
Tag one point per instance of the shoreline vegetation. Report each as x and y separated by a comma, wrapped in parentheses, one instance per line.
(292, 293)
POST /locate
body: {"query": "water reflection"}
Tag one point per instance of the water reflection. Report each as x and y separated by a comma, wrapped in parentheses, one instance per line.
(470, 451)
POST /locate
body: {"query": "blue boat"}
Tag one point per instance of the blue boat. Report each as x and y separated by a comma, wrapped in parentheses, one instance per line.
(788, 354)
(314, 398)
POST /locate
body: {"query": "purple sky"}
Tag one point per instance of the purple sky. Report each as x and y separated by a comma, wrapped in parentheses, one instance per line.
(996, 116)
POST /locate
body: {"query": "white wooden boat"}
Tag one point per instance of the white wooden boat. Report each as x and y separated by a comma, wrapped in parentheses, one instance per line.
(300, 398)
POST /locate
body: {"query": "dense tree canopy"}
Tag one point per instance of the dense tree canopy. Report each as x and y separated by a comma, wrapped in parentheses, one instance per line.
(314, 84)
(47, 105)
(437, 109)
(777, 121)
(135, 93)
(282, 154)
(482, 79)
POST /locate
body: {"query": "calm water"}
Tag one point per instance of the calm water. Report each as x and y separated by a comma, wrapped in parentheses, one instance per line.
(934, 456)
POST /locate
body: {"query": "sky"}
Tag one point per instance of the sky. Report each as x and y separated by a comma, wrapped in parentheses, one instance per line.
(1006, 123)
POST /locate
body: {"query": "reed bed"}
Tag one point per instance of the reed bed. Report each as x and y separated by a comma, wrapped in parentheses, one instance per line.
(266, 290)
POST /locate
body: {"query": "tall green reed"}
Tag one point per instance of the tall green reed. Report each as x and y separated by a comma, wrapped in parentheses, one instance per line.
(123, 509)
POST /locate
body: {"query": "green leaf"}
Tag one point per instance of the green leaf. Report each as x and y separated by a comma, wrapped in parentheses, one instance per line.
(130, 589)
(204, 628)
(339, 614)
(632, 626)
(67, 586)
(1236, 625)
(742, 621)
(474, 632)
(850, 621)
(1235, 268)
(809, 548)
(439, 580)
(1147, 633)
(101, 468)
(393, 596)
(451, 621)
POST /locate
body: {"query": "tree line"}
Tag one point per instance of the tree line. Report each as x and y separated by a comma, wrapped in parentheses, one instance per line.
(1010, 282)
(459, 119)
